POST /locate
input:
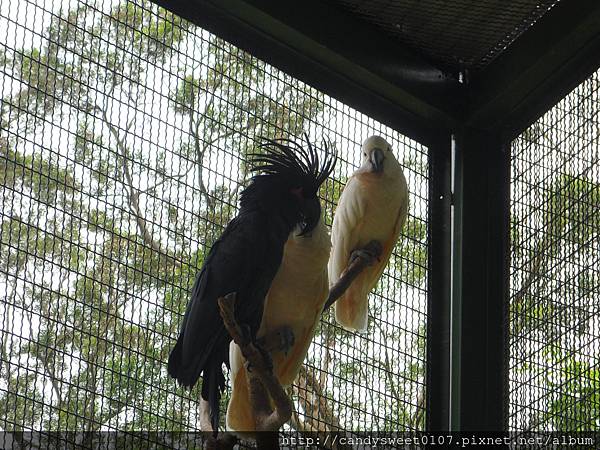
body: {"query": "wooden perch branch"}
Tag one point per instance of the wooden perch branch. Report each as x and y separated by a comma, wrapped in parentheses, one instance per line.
(361, 258)
(263, 386)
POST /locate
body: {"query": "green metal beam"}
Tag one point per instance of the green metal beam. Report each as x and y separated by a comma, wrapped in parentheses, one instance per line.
(355, 49)
(439, 324)
(479, 282)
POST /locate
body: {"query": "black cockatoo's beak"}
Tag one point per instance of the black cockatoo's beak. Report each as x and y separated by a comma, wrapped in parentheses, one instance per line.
(312, 215)
(376, 159)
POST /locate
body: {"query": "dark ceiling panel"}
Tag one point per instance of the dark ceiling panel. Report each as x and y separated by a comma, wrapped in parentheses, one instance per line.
(454, 34)
(328, 50)
(518, 69)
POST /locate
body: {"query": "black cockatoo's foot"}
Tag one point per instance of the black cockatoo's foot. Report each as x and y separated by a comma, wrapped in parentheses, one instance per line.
(280, 340)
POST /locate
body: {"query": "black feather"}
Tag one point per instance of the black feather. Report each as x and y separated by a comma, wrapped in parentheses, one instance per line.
(245, 260)
(280, 158)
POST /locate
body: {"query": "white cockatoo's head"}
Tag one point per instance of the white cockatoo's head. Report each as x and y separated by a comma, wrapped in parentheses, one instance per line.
(377, 156)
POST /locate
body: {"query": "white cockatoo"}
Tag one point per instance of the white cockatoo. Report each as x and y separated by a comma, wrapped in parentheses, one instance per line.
(373, 206)
(295, 302)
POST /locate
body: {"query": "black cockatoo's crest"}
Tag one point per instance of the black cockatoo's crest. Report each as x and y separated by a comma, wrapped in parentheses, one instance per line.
(299, 168)
(280, 157)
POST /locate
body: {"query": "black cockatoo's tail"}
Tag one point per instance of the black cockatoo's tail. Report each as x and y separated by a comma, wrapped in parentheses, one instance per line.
(281, 196)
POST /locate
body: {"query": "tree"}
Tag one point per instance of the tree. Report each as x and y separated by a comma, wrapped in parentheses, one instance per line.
(104, 224)
(554, 235)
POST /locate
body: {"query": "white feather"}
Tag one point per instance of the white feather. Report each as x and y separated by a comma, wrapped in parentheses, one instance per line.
(296, 300)
(373, 206)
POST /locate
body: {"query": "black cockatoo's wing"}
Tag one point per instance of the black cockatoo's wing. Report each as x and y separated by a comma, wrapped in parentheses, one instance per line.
(199, 347)
(202, 326)
(244, 260)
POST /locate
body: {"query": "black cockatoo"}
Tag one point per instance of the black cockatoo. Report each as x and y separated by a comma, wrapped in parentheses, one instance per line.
(245, 259)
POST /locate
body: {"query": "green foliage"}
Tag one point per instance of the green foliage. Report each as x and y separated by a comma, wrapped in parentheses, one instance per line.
(123, 226)
(555, 304)
(570, 219)
(330, 192)
(575, 404)
(575, 207)
(186, 96)
(44, 179)
(4, 58)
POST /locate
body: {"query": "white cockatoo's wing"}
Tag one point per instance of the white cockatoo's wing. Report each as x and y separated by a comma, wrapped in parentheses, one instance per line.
(351, 309)
(345, 231)
(239, 413)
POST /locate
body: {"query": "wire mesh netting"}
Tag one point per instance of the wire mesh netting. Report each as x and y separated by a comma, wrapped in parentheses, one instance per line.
(554, 325)
(458, 34)
(124, 131)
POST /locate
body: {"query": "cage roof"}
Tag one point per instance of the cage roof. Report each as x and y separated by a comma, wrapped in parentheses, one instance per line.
(424, 67)
(454, 34)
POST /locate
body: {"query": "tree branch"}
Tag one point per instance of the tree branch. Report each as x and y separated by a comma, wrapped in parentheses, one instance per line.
(133, 192)
(195, 132)
(416, 418)
(263, 386)
(167, 178)
(320, 419)
(200, 152)
(311, 385)
(388, 367)
(54, 381)
(363, 258)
